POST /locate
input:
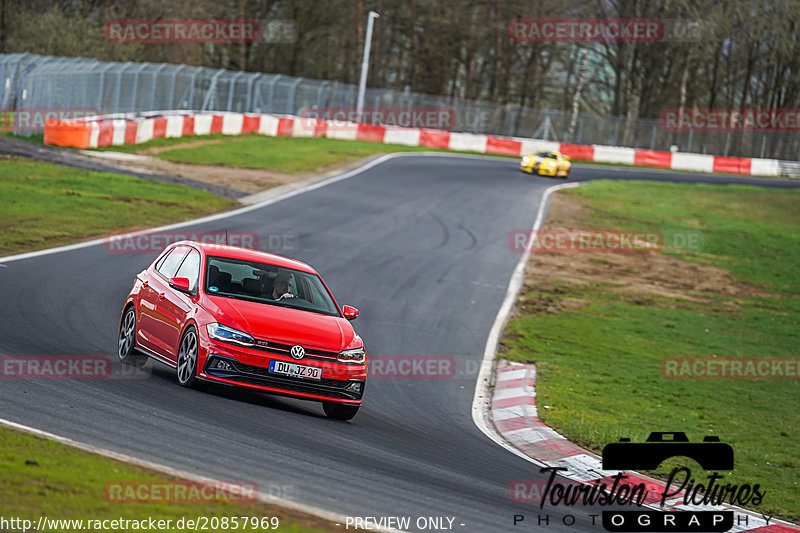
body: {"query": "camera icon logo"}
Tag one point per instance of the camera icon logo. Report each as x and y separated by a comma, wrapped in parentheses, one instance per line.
(711, 454)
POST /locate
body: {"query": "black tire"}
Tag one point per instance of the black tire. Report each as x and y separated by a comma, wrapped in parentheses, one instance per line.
(126, 348)
(187, 359)
(339, 411)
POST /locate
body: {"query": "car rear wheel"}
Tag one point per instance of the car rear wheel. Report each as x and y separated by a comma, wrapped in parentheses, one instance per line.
(339, 411)
(187, 359)
(126, 349)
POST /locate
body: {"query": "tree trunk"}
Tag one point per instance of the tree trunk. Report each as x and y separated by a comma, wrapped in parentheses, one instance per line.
(576, 97)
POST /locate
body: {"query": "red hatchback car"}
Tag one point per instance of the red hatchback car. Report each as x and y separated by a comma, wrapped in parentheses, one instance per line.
(245, 318)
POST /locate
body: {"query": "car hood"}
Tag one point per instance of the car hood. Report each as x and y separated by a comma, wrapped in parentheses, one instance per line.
(282, 324)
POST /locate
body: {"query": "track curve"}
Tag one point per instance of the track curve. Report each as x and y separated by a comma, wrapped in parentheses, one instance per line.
(420, 245)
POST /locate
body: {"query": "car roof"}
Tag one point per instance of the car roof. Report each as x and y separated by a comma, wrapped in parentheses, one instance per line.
(235, 252)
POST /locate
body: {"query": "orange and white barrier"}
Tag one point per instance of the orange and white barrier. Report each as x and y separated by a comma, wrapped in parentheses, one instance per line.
(113, 130)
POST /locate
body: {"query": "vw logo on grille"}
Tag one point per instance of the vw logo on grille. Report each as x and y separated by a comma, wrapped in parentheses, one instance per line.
(297, 351)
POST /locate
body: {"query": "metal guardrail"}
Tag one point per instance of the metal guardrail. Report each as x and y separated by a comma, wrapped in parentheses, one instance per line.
(29, 81)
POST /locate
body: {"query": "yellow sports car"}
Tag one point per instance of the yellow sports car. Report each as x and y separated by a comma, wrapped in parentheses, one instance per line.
(546, 164)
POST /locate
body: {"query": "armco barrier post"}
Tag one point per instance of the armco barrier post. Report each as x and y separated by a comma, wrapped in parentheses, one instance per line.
(155, 85)
(212, 89)
(271, 94)
(231, 87)
(136, 75)
(190, 105)
(171, 96)
(118, 90)
(290, 110)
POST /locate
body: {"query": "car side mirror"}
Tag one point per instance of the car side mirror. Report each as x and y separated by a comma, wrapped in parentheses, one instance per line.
(349, 312)
(180, 284)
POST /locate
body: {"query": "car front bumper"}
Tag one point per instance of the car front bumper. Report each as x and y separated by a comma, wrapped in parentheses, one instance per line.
(249, 368)
(535, 168)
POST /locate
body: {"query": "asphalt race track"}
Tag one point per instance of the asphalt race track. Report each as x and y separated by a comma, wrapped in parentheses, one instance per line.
(420, 245)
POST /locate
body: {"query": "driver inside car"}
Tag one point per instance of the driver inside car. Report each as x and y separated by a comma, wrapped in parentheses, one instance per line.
(282, 286)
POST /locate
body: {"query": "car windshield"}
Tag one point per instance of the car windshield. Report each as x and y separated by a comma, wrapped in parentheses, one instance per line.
(550, 155)
(268, 284)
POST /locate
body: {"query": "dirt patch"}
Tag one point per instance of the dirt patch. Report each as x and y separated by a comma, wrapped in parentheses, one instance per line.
(646, 274)
(188, 144)
(247, 180)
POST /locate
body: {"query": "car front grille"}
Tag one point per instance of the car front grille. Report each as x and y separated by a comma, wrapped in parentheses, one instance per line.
(260, 376)
(285, 349)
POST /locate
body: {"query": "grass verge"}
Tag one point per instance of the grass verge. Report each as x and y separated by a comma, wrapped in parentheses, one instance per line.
(44, 205)
(41, 477)
(284, 154)
(598, 327)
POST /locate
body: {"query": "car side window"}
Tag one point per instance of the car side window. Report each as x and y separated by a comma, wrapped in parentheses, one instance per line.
(169, 265)
(314, 295)
(161, 260)
(190, 268)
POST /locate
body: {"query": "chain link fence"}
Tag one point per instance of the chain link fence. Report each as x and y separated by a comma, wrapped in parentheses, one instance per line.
(31, 82)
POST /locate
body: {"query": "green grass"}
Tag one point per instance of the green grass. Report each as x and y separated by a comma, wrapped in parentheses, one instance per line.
(599, 363)
(285, 154)
(751, 231)
(40, 477)
(36, 138)
(44, 205)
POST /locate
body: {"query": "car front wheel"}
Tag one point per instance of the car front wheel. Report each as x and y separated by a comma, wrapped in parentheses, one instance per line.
(187, 359)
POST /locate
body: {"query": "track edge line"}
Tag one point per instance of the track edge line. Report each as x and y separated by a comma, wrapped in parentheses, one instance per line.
(481, 400)
(263, 498)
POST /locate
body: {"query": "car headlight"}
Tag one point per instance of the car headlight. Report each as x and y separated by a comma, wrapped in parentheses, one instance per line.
(225, 334)
(359, 355)
(526, 159)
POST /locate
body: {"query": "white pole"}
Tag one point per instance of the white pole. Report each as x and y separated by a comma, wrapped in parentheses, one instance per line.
(362, 85)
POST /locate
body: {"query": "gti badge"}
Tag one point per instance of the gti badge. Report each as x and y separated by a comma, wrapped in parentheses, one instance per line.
(297, 351)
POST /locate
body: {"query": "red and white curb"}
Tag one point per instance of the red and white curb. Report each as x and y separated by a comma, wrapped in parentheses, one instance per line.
(515, 416)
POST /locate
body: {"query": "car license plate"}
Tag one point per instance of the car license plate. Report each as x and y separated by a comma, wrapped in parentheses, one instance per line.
(295, 370)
